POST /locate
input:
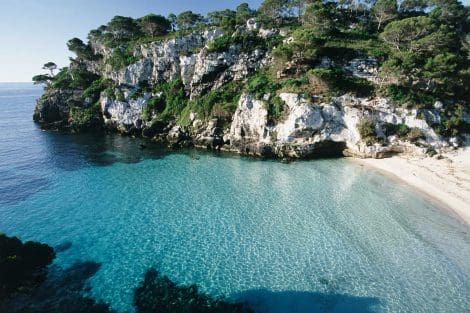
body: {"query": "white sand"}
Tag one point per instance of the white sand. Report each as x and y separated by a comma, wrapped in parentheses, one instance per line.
(447, 180)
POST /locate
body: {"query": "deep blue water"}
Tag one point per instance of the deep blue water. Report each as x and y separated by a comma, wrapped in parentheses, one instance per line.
(316, 236)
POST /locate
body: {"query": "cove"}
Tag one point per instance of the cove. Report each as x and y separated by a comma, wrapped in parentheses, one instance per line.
(321, 235)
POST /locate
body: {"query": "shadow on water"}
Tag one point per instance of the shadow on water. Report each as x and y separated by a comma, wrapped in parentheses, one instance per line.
(67, 290)
(18, 188)
(266, 301)
(73, 152)
(63, 291)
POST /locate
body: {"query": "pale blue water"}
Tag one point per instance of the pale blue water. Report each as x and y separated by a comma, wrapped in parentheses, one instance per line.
(317, 236)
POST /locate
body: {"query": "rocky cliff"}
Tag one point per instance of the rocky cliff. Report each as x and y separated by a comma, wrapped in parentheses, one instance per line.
(308, 126)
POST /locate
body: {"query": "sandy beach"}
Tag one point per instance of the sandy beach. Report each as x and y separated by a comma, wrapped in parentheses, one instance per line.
(446, 180)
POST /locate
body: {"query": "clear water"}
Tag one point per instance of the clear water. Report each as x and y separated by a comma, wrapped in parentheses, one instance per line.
(317, 236)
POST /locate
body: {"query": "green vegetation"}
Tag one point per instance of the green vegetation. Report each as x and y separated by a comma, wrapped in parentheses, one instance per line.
(452, 122)
(422, 49)
(401, 130)
(122, 57)
(339, 82)
(85, 119)
(246, 42)
(367, 131)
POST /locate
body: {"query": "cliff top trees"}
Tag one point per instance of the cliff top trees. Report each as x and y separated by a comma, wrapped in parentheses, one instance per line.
(121, 26)
(273, 10)
(155, 25)
(243, 13)
(225, 19)
(318, 17)
(384, 11)
(50, 66)
(82, 50)
(188, 20)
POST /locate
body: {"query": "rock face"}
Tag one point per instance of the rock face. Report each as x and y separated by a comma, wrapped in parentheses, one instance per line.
(307, 127)
(53, 111)
(326, 128)
(187, 58)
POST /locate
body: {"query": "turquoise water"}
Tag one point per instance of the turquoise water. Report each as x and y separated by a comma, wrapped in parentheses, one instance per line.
(317, 236)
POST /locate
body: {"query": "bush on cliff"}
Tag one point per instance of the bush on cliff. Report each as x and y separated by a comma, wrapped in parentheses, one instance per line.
(366, 127)
(85, 119)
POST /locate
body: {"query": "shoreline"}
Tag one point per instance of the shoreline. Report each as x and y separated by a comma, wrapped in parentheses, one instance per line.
(445, 182)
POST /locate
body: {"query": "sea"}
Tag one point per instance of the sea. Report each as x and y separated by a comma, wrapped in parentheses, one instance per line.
(326, 235)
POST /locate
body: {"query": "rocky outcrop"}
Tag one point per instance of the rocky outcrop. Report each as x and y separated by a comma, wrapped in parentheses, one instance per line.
(309, 129)
(53, 110)
(187, 58)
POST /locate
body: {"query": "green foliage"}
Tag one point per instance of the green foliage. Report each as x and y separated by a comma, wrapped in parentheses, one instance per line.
(170, 103)
(42, 79)
(94, 90)
(304, 49)
(188, 20)
(384, 11)
(271, 12)
(220, 103)
(319, 17)
(261, 84)
(154, 25)
(246, 42)
(340, 82)
(225, 19)
(453, 122)
(22, 265)
(122, 57)
(367, 131)
(74, 78)
(409, 97)
(275, 107)
(153, 106)
(123, 27)
(401, 130)
(82, 50)
(243, 13)
(84, 119)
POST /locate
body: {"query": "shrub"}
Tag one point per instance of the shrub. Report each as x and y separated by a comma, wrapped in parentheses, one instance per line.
(413, 98)
(453, 122)
(340, 82)
(367, 131)
(76, 78)
(275, 107)
(415, 134)
(83, 119)
(220, 103)
(261, 84)
(122, 57)
(94, 90)
(153, 105)
(401, 130)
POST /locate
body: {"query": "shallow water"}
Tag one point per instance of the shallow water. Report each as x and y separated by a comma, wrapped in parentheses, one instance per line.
(316, 236)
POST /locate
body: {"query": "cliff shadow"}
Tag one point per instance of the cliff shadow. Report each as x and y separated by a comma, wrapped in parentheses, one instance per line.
(266, 301)
(64, 290)
(75, 151)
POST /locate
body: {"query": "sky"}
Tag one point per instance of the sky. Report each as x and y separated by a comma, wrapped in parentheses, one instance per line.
(34, 32)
